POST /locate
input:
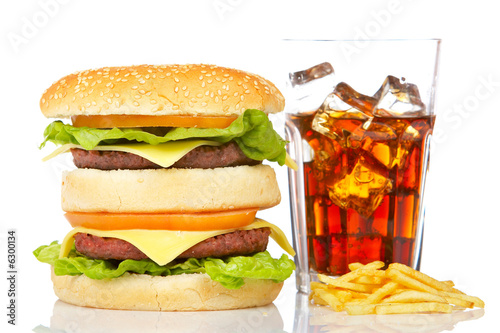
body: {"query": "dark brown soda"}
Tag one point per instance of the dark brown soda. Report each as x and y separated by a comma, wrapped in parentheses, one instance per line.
(378, 222)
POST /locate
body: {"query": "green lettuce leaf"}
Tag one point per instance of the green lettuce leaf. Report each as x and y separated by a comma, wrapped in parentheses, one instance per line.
(252, 131)
(230, 271)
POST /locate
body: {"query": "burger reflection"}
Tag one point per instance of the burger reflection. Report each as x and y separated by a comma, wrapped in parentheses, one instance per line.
(311, 318)
(68, 318)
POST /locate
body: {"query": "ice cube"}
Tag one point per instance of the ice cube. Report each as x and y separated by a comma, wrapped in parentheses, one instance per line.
(397, 98)
(310, 74)
(355, 99)
(308, 88)
(362, 189)
(337, 119)
(377, 140)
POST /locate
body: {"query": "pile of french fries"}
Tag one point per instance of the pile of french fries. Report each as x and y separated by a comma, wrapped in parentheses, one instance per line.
(367, 289)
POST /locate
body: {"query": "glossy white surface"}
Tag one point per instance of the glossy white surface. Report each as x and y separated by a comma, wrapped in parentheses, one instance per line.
(291, 312)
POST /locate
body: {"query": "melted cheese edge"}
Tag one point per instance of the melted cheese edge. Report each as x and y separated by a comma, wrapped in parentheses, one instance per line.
(163, 246)
(163, 154)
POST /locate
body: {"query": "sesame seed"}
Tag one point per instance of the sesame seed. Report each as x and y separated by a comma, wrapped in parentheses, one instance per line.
(176, 80)
(136, 103)
(153, 101)
(137, 96)
(134, 87)
(186, 94)
(176, 89)
(142, 91)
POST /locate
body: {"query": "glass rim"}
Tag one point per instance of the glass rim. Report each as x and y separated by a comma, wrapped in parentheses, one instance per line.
(363, 40)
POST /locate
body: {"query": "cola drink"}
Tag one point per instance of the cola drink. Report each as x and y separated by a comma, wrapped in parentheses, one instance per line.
(363, 174)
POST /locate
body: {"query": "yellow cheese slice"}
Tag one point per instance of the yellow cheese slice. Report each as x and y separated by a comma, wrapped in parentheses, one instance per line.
(163, 154)
(163, 246)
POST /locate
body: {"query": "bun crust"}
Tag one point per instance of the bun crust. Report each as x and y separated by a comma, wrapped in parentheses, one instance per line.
(160, 90)
(169, 190)
(186, 292)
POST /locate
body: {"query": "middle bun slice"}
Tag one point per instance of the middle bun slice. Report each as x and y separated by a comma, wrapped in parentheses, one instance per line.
(170, 190)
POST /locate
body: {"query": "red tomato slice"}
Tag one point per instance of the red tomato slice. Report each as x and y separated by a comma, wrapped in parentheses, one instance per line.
(184, 222)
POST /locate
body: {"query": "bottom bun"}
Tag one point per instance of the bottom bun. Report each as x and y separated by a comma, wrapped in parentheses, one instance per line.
(186, 292)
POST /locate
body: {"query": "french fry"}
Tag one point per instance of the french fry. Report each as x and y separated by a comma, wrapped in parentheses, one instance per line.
(364, 279)
(413, 308)
(367, 289)
(410, 296)
(424, 278)
(317, 299)
(343, 295)
(373, 265)
(330, 299)
(346, 285)
(459, 302)
(377, 296)
(476, 301)
(318, 285)
(405, 280)
(362, 272)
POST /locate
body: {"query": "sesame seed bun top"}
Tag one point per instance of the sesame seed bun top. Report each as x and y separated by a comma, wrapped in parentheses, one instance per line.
(197, 90)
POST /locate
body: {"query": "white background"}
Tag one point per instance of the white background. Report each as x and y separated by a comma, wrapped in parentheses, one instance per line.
(41, 41)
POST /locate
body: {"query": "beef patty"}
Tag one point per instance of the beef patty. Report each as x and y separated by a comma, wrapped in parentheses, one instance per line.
(240, 242)
(204, 157)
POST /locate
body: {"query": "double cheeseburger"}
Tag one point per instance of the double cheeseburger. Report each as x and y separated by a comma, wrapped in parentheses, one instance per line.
(168, 182)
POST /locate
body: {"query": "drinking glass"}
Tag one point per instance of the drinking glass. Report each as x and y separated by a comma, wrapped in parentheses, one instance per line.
(359, 119)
